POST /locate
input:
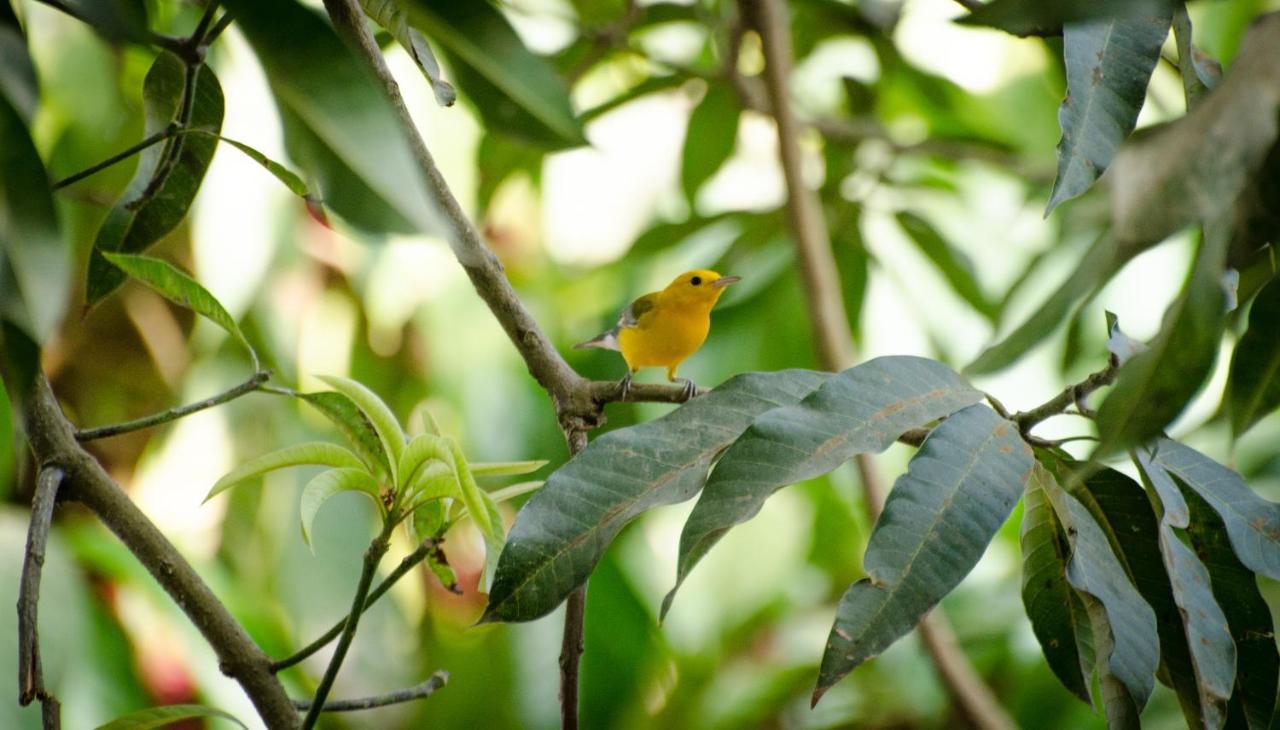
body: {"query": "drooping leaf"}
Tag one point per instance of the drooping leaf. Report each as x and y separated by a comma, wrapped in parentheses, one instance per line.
(384, 422)
(1118, 704)
(1047, 596)
(319, 453)
(515, 490)
(958, 489)
(953, 264)
(710, 137)
(471, 494)
(287, 177)
(177, 287)
(1047, 17)
(1252, 522)
(563, 530)
(1253, 386)
(512, 89)
(427, 519)
(650, 85)
(861, 410)
(354, 424)
(169, 173)
(1109, 62)
(422, 450)
(390, 14)
(345, 121)
(157, 717)
(507, 468)
(328, 483)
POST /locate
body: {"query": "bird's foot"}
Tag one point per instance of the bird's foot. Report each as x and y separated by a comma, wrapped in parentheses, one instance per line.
(690, 388)
(624, 387)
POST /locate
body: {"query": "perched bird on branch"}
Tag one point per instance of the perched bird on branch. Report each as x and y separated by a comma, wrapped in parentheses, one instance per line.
(663, 328)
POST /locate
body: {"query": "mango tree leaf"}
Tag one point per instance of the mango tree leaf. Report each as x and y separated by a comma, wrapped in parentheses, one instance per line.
(354, 424)
(471, 494)
(958, 489)
(384, 422)
(168, 175)
(1253, 386)
(348, 123)
(287, 177)
(328, 483)
(1050, 601)
(515, 490)
(1109, 62)
(710, 137)
(512, 89)
(1236, 587)
(564, 529)
(420, 451)
(1047, 17)
(157, 717)
(953, 264)
(390, 14)
(177, 287)
(1117, 701)
(17, 74)
(1122, 346)
(506, 468)
(319, 453)
(1252, 523)
(861, 410)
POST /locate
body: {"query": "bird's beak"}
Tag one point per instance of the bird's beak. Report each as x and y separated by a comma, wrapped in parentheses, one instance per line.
(724, 281)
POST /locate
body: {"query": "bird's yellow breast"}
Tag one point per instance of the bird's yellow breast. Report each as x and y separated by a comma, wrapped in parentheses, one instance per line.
(665, 336)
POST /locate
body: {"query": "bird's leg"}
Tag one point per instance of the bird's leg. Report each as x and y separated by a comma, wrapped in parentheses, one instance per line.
(690, 388)
(625, 385)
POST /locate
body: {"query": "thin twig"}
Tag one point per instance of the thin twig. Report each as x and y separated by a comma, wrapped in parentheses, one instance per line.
(30, 674)
(160, 136)
(424, 549)
(408, 694)
(218, 28)
(197, 35)
(115, 429)
(1071, 395)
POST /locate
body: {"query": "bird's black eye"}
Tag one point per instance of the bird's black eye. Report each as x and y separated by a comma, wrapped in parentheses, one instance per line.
(696, 280)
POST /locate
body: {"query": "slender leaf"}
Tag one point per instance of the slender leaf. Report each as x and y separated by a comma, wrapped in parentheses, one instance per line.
(1117, 701)
(384, 422)
(953, 264)
(390, 14)
(157, 717)
(564, 529)
(1193, 84)
(354, 424)
(1047, 17)
(1119, 344)
(177, 287)
(515, 490)
(861, 410)
(471, 494)
(650, 85)
(328, 483)
(420, 451)
(17, 74)
(115, 20)
(319, 453)
(710, 137)
(168, 175)
(1109, 62)
(287, 177)
(1253, 386)
(427, 519)
(958, 489)
(507, 468)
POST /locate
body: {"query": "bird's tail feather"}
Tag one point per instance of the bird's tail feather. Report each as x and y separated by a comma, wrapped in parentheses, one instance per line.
(604, 341)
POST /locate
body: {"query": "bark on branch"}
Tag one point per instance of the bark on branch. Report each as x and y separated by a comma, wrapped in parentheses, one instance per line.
(30, 673)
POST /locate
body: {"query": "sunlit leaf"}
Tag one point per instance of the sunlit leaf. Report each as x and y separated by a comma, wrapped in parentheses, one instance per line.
(958, 489)
(157, 717)
(390, 14)
(953, 264)
(471, 494)
(384, 422)
(115, 20)
(1119, 344)
(328, 483)
(507, 468)
(1046, 17)
(319, 453)
(419, 452)
(354, 424)
(287, 177)
(1253, 386)
(710, 137)
(515, 490)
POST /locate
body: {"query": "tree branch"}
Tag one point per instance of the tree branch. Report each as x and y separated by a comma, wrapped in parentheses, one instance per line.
(409, 694)
(248, 386)
(1071, 395)
(125, 154)
(30, 673)
(53, 442)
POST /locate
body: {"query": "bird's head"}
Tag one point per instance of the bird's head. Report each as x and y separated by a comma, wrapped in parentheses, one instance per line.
(700, 286)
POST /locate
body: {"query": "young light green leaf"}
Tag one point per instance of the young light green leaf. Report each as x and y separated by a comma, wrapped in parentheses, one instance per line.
(437, 481)
(168, 175)
(427, 519)
(354, 424)
(17, 74)
(390, 14)
(380, 417)
(953, 264)
(329, 483)
(710, 137)
(286, 176)
(940, 516)
(515, 490)
(507, 468)
(1109, 62)
(318, 453)
(861, 410)
(158, 717)
(1253, 386)
(423, 450)
(174, 285)
(563, 530)
(471, 494)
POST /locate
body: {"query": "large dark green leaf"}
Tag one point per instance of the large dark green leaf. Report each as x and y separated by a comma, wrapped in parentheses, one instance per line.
(1252, 522)
(17, 75)
(1253, 387)
(1109, 62)
(115, 20)
(958, 489)
(861, 410)
(1047, 17)
(168, 175)
(953, 264)
(710, 137)
(1118, 704)
(349, 126)
(562, 531)
(512, 89)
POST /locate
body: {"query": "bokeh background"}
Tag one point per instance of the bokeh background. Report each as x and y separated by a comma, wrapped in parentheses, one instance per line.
(953, 125)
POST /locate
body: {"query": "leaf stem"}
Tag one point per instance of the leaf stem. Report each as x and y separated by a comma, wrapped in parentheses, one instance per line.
(253, 383)
(420, 691)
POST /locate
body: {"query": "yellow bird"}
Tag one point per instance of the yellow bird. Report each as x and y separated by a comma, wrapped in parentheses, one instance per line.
(662, 328)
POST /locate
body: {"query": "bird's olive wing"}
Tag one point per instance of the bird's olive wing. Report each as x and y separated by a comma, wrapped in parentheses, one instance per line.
(630, 316)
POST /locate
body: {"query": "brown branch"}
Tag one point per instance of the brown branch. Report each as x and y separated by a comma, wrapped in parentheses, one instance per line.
(53, 442)
(1071, 395)
(409, 694)
(832, 336)
(30, 673)
(115, 429)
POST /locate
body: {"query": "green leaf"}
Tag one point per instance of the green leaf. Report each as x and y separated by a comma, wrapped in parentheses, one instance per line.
(563, 530)
(1109, 62)
(710, 137)
(427, 519)
(421, 450)
(471, 494)
(115, 20)
(958, 489)
(512, 89)
(157, 717)
(1117, 701)
(316, 452)
(17, 74)
(35, 262)
(861, 410)
(384, 422)
(169, 173)
(507, 468)
(953, 264)
(354, 424)
(515, 490)
(286, 176)
(1048, 598)
(177, 287)
(1046, 17)
(390, 14)
(348, 122)
(1252, 522)
(1253, 386)
(325, 485)
(1193, 83)
(439, 566)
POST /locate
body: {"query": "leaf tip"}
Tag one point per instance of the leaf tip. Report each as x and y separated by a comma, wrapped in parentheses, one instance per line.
(818, 692)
